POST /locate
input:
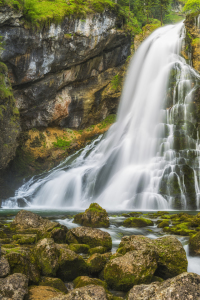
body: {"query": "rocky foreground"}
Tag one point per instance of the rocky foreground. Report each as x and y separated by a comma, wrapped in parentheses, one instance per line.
(42, 259)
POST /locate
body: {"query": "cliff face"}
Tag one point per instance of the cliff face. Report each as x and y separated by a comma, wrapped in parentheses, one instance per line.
(58, 72)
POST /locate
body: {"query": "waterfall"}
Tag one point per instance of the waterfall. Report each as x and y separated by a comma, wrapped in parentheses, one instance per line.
(149, 159)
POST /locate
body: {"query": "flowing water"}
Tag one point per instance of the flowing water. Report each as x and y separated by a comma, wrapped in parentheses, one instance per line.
(149, 159)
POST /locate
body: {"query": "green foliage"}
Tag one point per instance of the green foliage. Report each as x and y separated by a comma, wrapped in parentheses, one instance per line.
(192, 6)
(62, 143)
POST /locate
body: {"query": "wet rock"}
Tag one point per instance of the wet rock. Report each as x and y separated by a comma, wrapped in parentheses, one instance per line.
(97, 262)
(85, 280)
(47, 256)
(4, 267)
(14, 287)
(28, 222)
(172, 259)
(137, 222)
(185, 286)
(135, 267)
(94, 216)
(23, 261)
(42, 293)
(90, 236)
(194, 244)
(71, 265)
(53, 282)
(85, 293)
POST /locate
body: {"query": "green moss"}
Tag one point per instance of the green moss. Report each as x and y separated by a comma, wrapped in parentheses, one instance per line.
(25, 239)
(98, 249)
(79, 248)
(107, 121)
(180, 229)
(164, 223)
(137, 222)
(53, 282)
(63, 144)
(84, 281)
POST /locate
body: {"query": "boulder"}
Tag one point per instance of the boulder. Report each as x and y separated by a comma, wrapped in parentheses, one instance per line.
(185, 286)
(98, 249)
(137, 222)
(42, 293)
(135, 267)
(85, 280)
(171, 256)
(54, 283)
(90, 236)
(194, 244)
(14, 287)
(97, 262)
(94, 216)
(3, 235)
(4, 267)
(47, 255)
(70, 265)
(172, 259)
(28, 222)
(23, 261)
(25, 238)
(79, 248)
(85, 293)
(164, 223)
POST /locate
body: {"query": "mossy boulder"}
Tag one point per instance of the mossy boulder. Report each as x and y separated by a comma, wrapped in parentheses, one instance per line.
(3, 235)
(172, 259)
(180, 229)
(25, 238)
(135, 242)
(71, 265)
(164, 223)
(53, 282)
(94, 216)
(27, 222)
(97, 262)
(85, 280)
(137, 222)
(89, 236)
(14, 286)
(194, 244)
(47, 255)
(184, 286)
(23, 261)
(98, 249)
(135, 267)
(43, 293)
(79, 248)
(4, 267)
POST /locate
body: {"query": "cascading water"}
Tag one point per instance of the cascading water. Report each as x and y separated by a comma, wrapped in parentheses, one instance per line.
(149, 158)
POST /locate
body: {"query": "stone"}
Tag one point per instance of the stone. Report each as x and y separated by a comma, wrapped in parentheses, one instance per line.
(85, 280)
(3, 235)
(4, 267)
(42, 293)
(194, 244)
(14, 286)
(56, 283)
(88, 292)
(79, 248)
(25, 238)
(47, 255)
(94, 216)
(137, 222)
(164, 223)
(97, 262)
(90, 236)
(98, 249)
(135, 242)
(135, 267)
(185, 286)
(71, 265)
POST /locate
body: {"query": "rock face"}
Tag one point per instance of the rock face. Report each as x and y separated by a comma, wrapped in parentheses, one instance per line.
(85, 293)
(184, 287)
(58, 71)
(14, 287)
(90, 236)
(94, 216)
(9, 119)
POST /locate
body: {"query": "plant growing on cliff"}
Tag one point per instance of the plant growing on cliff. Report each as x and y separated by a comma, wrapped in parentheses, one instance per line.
(192, 6)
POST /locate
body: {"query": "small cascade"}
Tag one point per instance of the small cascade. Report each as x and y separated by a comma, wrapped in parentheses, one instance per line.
(150, 158)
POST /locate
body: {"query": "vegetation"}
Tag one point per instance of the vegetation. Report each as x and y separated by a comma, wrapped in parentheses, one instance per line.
(192, 6)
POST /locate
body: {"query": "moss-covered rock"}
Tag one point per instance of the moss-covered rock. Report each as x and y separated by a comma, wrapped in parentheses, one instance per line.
(94, 216)
(135, 267)
(3, 235)
(164, 223)
(4, 267)
(135, 242)
(53, 282)
(172, 259)
(89, 236)
(96, 262)
(43, 293)
(98, 249)
(137, 222)
(79, 248)
(25, 238)
(14, 286)
(194, 244)
(180, 229)
(85, 280)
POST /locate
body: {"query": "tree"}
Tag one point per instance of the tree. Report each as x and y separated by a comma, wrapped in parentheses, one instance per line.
(192, 6)
(163, 8)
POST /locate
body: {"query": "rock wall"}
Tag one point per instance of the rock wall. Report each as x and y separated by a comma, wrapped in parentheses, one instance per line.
(58, 72)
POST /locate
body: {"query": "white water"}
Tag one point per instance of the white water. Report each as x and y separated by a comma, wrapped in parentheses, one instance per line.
(126, 169)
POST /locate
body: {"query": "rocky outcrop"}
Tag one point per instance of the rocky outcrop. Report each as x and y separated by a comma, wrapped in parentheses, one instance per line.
(57, 70)
(94, 216)
(184, 287)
